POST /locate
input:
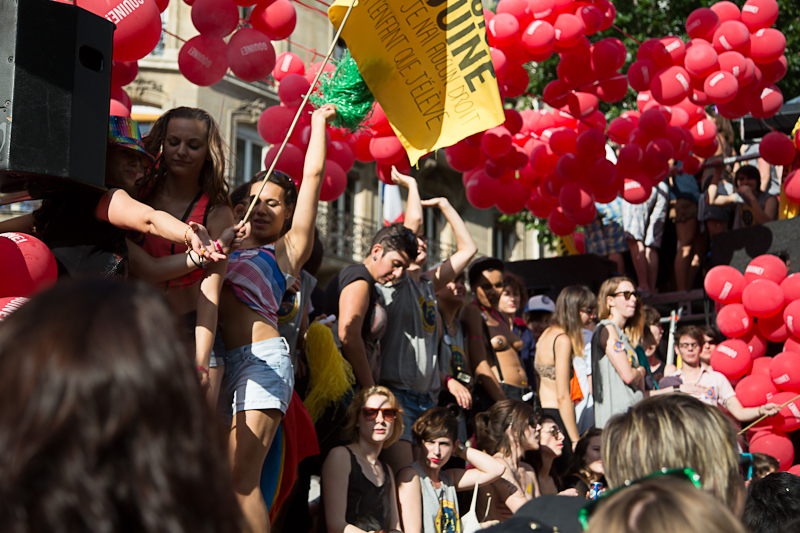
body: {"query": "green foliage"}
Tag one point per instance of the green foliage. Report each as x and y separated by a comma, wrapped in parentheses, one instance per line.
(533, 223)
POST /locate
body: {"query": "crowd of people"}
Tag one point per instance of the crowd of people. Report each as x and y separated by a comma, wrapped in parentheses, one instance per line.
(156, 405)
(697, 207)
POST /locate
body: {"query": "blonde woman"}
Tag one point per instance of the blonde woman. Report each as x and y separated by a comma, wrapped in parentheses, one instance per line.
(553, 361)
(617, 378)
(358, 489)
(675, 431)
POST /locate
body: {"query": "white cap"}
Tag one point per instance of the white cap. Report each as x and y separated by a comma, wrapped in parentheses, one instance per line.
(540, 303)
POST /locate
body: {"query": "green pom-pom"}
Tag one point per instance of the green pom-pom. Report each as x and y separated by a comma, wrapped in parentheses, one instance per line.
(346, 89)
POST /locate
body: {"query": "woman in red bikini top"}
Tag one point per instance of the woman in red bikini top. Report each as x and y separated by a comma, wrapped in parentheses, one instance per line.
(188, 182)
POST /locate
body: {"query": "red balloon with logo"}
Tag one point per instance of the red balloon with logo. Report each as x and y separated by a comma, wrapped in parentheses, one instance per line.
(755, 390)
(766, 266)
(202, 60)
(731, 358)
(785, 371)
(724, 284)
(788, 419)
(251, 56)
(27, 265)
(138, 25)
(733, 320)
(10, 304)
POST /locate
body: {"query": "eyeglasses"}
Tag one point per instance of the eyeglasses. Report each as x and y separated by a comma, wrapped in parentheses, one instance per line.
(688, 345)
(588, 310)
(370, 413)
(710, 343)
(683, 473)
(532, 422)
(627, 294)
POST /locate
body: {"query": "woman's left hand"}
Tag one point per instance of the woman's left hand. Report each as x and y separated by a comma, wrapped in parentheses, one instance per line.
(569, 492)
(202, 244)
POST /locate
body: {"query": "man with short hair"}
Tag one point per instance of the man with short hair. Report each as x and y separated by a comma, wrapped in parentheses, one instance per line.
(772, 502)
(705, 384)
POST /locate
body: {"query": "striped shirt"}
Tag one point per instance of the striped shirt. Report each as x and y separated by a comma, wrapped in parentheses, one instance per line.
(256, 279)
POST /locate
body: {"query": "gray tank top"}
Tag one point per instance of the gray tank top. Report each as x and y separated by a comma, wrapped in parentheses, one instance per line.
(614, 395)
(439, 506)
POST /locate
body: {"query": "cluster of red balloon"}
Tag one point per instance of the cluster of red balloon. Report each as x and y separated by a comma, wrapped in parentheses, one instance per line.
(275, 122)
(761, 305)
(28, 266)
(733, 60)
(791, 184)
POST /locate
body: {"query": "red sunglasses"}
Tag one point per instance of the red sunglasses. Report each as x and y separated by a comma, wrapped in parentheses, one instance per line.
(370, 413)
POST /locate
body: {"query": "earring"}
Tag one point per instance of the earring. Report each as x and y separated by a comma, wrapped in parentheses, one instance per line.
(374, 257)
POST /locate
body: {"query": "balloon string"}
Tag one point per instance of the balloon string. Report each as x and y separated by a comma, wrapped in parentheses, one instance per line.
(311, 8)
(784, 404)
(173, 35)
(311, 50)
(323, 3)
(623, 32)
(299, 111)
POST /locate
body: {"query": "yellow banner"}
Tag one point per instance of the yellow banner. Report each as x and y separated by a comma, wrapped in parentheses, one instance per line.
(428, 64)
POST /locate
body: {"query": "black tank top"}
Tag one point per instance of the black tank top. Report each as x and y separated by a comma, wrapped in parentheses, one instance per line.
(368, 506)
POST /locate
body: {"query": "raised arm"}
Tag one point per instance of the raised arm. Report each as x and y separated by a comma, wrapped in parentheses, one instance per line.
(563, 362)
(412, 217)
(713, 196)
(476, 350)
(465, 245)
(294, 248)
(487, 469)
(353, 307)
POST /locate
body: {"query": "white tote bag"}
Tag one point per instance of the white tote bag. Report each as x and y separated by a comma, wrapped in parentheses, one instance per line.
(469, 521)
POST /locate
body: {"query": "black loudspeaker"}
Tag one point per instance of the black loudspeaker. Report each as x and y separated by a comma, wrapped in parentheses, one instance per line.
(55, 80)
(549, 276)
(738, 247)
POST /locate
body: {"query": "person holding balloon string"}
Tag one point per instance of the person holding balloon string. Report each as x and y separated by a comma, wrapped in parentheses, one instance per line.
(259, 379)
(86, 231)
(707, 385)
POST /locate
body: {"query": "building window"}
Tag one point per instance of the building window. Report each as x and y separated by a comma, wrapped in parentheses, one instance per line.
(504, 239)
(250, 153)
(159, 49)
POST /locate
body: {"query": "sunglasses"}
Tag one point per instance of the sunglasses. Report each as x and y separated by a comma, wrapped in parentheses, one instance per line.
(684, 473)
(555, 431)
(627, 294)
(369, 413)
(589, 310)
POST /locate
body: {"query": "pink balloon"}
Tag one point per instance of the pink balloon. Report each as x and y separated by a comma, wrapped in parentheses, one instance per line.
(292, 89)
(766, 266)
(569, 30)
(291, 160)
(669, 51)
(761, 367)
(724, 284)
(702, 23)
(123, 72)
(791, 316)
(504, 29)
(118, 109)
(733, 320)
(701, 61)
(791, 288)
(276, 19)
(250, 55)
(138, 25)
(777, 149)
(215, 18)
(773, 328)
(755, 390)
(726, 11)
(776, 445)
(731, 35)
(788, 419)
(202, 60)
(539, 37)
(756, 343)
(767, 45)
(731, 358)
(288, 63)
(386, 150)
(704, 132)
(334, 183)
(785, 371)
(758, 14)
(763, 298)
(721, 87)
(671, 85)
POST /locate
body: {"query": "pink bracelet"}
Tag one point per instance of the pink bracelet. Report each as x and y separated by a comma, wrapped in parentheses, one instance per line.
(202, 369)
(217, 246)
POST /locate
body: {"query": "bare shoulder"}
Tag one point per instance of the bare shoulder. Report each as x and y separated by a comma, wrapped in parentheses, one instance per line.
(407, 475)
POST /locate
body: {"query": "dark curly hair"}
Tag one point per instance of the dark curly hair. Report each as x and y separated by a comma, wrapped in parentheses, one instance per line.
(104, 426)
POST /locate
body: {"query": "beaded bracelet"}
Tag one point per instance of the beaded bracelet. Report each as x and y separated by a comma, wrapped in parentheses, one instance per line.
(186, 239)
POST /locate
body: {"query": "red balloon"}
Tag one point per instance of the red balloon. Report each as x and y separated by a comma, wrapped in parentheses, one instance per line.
(758, 14)
(312, 70)
(591, 17)
(556, 93)
(558, 222)
(777, 149)
(574, 198)
(620, 128)
(669, 51)
(763, 298)
(733, 320)
(641, 74)
(462, 157)
(251, 56)
(27, 267)
(731, 358)
(499, 62)
(276, 20)
(482, 191)
(612, 89)
(10, 304)
(518, 8)
(273, 124)
(504, 29)
(637, 189)
(292, 89)
(775, 71)
(138, 25)
(766, 266)
(334, 183)
(288, 63)
(756, 343)
(773, 328)
(791, 315)
(704, 132)
(513, 197)
(701, 61)
(591, 144)
(791, 186)
(379, 123)
(726, 11)
(118, 109)
(384, 172)
(121, 95)
(679, 138)
(731, 35)
(773, 444)
(659, 152)
(791, 344)
(202, 60)
(721, 87)
(605, 56)
(291, 160)
(785, 371)
(653, 123)
(516, 158)
(569, 30)
(791, 288)
(755, 390)
(496, 142)
(341, 153)
(543, 10)
(513, 122)
(691, 163)
(570, 167)
(702, 23)
(543, 160)
(788, 419)
(671, 85)
(539, 37)
(705, 150)
(575, 71)
(761, 367)
(724, 284)
(582, 105)
(215, 18)
(494, 168)
(767, 45)
(386, 150)
(361, 148)
(563, 141)
(539, 206)
(162, 5)
(630, 159)
(123, 72)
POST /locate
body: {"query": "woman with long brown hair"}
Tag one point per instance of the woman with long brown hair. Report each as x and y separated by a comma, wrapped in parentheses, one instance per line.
(617, 377)
(553, 361)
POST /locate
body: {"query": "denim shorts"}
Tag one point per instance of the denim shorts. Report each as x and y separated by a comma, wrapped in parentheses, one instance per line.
(414, 404)
(217, 352)
(257, 376)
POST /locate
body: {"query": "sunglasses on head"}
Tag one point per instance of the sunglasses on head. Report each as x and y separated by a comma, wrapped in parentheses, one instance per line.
(627, 294)
(370, 413)
(683, 473)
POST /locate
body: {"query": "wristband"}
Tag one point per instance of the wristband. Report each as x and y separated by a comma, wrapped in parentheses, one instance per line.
(202, 369)
(198, 265)
(447, 379)
(217, 246)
